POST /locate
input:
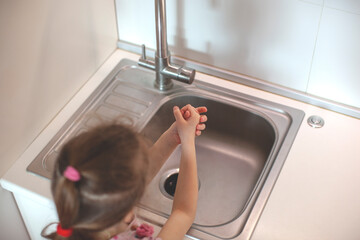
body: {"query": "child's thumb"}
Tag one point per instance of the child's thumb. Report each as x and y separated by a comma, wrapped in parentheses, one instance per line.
(177, 114)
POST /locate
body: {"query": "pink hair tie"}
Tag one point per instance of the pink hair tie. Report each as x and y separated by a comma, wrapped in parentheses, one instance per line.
(72, 174)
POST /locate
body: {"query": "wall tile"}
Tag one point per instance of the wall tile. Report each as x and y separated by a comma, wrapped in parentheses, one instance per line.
(318, 2)
(335, 72)
(136, 24)
(270, 40)
(345, 5)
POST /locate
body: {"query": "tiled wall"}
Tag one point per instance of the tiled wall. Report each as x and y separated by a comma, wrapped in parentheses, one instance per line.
(310, 45)
(335, 72)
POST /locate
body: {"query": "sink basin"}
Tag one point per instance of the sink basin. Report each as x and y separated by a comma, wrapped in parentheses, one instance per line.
(231, 155)
(239, 155)
(234, 155)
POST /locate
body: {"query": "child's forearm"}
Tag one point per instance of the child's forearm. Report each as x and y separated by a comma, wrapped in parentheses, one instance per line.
(160, 152)
(186, 193)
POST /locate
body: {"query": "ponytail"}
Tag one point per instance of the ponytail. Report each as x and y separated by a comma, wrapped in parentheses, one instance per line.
(66, 198)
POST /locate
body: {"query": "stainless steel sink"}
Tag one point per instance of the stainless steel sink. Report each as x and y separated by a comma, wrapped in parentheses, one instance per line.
(231, 154)
(235, 155)
(239, 155)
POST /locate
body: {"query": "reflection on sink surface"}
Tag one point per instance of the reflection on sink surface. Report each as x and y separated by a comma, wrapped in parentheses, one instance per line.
(239, 155)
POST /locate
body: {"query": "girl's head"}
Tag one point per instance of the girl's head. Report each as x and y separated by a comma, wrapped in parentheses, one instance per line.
(112, 163)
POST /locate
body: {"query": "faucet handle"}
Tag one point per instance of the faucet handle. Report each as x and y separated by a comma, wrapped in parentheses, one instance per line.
(145, 62)
(143, 52)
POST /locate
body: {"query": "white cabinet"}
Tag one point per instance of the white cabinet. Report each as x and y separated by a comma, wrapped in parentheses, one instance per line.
(36, 213)
(11, 223)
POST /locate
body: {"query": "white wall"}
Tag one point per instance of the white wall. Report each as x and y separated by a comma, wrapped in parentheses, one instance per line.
(48, 50)
(311, 46)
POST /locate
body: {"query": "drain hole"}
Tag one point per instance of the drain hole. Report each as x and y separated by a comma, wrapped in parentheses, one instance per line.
(170, 184)
(168, 181)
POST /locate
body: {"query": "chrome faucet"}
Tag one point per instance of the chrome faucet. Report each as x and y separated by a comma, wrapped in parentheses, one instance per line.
(165, 71)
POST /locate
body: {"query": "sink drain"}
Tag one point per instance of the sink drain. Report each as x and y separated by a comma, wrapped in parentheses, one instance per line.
(168, 183)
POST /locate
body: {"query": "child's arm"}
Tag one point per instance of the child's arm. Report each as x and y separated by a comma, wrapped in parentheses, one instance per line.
(186, 194)
(161, 151)
(169, 140)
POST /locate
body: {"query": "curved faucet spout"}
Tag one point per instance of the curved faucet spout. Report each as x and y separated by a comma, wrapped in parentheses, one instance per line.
(165, 71)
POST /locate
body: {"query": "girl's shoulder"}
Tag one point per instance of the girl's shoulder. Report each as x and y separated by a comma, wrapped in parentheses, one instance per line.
(142, 232)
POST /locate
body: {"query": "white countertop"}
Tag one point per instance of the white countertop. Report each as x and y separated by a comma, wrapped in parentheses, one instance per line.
(317, 194)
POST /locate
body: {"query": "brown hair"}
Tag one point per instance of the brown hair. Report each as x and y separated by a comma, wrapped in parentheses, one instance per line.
(112, 161)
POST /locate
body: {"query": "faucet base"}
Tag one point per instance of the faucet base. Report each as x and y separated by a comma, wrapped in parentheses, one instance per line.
(163, 80)
(163, 86)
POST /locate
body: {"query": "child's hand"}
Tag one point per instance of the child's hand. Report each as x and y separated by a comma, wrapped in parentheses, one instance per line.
(186, 127)
(186, 114)
(203, 118)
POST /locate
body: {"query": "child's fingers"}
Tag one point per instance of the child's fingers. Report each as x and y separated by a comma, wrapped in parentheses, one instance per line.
(201, 109)
(200, 127)
(185, 108)
(186, 114)
(198, 110)
(198, 133)
(177, 114)
(194, 115)
(203, 118)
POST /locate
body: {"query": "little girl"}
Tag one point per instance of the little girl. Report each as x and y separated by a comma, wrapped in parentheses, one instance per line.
(101, 175)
